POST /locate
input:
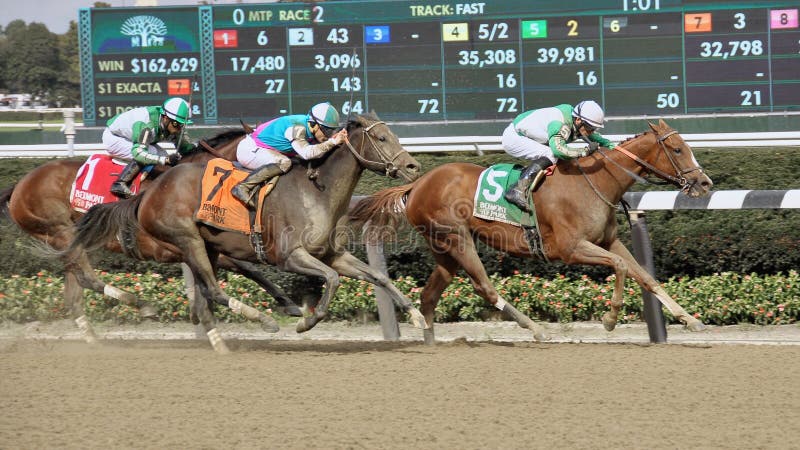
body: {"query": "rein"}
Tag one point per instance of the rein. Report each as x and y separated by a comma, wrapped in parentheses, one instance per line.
(387, 165)
(210, 149)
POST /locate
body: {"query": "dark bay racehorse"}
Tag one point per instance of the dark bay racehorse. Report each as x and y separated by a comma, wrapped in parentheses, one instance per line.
(301, 222)
(39, 204)
(576, 213)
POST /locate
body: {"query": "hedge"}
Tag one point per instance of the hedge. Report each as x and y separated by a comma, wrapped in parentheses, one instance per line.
(721, 299)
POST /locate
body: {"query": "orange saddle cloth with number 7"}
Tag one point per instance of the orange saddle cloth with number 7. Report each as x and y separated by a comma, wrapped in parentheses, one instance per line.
(220, 209)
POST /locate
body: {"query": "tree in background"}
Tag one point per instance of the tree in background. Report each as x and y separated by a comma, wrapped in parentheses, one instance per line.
(32, 60)
(67, 93)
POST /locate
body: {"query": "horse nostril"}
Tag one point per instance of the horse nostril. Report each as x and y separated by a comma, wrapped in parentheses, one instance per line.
(412, 167)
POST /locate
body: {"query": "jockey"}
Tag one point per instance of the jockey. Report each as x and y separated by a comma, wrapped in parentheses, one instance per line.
(268, 148)
(541, 136)
(133, 134)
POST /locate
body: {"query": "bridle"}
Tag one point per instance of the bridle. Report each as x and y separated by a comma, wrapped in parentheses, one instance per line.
(678, 178)
(386, 165)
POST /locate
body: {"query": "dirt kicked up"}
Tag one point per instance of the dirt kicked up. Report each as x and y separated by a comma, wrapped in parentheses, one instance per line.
(459, 394)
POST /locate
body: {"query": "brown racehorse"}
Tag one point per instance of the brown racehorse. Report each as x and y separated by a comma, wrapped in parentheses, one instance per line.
(576, 214)
(301, 222)
(39, 205)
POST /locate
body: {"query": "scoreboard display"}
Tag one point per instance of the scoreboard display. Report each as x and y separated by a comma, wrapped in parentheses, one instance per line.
(442, 60)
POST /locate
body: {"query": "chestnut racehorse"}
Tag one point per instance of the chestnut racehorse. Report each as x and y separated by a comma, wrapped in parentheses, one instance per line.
(300, 218)
(39, 205)
(575, 208)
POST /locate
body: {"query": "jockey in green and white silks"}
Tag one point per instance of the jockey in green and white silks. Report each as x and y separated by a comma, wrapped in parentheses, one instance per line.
(133, 135)
(541, 136)
(271, 145)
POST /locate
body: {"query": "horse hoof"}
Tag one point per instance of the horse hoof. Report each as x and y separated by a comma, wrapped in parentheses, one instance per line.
(292, 311)
(148, 312)
(608, 323)
(418, 320)
(305, 324)
(269, 325)
(696, 326)
(541, 336)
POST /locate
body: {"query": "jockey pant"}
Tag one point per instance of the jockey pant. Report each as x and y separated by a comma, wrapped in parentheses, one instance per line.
(524, 147)
(251, 156)
(119, 147)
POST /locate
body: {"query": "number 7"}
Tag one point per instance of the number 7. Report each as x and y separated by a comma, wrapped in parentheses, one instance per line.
(226, 173)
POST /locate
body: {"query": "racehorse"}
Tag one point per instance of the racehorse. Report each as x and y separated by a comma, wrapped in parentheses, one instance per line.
(39, 204)
(575, 208)
(301, 220)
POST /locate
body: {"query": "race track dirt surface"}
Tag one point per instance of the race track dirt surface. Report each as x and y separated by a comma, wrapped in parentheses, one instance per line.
(304, 394)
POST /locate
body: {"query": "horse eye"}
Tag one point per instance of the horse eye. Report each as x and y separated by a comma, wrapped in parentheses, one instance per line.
(382, 138)
(677, 150)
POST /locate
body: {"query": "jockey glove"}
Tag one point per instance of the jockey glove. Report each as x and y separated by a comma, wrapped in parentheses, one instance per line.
(170, 159)
(591, 148)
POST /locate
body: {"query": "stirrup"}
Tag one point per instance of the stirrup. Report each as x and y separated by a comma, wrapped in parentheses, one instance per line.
(517, 198)
(242, 195)
(121, 190)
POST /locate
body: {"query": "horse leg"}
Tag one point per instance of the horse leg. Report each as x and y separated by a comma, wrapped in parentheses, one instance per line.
(198, 260)
(462, 249)
(646, 281)
(300, 261)
(73, 300)
(195, 299)
(440, 278)
(348, 265)
(87, 278)
(587, 253)
(252, 272)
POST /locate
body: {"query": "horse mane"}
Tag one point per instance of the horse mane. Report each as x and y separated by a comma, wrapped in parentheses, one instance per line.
(363, 119)
(224, 137)
(634, 137)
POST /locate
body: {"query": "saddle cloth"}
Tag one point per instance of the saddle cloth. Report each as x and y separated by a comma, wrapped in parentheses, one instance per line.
(93, 182)
(489, 201)
(220, 209)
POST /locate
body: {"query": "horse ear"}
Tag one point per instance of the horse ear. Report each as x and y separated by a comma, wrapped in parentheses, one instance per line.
(247, 128)
(662, 124)
(652, 127)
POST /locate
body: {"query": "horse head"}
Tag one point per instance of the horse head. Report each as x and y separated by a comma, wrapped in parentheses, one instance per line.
(665, 154)
(378, 149)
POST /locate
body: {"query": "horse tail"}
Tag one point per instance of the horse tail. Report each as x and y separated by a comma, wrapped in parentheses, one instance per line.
(104, 222)
(382, 212)
(5, 196)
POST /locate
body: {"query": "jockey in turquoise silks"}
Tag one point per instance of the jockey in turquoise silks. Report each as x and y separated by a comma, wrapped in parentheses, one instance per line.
(133, 135)
(271, 145)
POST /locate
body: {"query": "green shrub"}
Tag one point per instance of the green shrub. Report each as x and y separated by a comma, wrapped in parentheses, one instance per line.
(720, 299)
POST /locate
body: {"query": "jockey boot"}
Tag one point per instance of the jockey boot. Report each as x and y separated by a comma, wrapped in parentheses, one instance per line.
(246, 188)
(518, 193)
(121, 188)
